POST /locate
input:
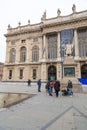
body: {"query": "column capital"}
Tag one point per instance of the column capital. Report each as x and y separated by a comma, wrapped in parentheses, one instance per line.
(75, 28)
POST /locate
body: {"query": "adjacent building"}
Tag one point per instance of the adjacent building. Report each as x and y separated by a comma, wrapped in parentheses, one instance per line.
(55, 48)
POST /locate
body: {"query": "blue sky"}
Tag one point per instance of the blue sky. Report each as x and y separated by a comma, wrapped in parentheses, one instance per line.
(13, 11)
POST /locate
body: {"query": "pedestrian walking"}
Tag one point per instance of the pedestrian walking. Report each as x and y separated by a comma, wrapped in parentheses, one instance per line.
(47, 86)
(57, 87)
(39, 85)
(29, 82)
(51, 88)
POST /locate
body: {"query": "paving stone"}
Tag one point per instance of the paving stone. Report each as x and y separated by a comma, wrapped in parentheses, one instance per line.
(43, 112)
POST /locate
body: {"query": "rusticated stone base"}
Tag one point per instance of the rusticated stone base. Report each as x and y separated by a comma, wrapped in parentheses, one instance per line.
(77, 87)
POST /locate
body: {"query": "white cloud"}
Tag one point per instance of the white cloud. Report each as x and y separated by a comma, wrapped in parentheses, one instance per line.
(13, 11)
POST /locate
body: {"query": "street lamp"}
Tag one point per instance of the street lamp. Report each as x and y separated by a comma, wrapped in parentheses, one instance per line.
(62, 57)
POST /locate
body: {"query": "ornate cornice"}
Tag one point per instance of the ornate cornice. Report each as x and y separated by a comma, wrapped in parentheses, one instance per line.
(73, 19)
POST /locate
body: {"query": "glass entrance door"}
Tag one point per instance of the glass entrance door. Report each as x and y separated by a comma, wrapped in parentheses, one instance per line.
(52, 73)
(84, 71)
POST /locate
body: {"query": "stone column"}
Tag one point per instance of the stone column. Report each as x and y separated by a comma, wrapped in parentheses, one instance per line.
(40, 48)
(7, 53)
(28, 51)
(17, 58)
(43, 72)
(58, 47)
(76, 45)
(78, 70)
(44, 47)
(58, 71)
(5, 73)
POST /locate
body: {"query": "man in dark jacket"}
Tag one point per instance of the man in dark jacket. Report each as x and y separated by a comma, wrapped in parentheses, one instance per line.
(29, 82)
(69, 88)
(57, 87)
(39, 85)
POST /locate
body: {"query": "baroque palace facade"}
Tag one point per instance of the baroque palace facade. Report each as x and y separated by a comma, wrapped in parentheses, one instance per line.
(55, 48)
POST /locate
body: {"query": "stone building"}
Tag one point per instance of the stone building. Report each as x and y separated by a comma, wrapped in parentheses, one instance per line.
(55, 48)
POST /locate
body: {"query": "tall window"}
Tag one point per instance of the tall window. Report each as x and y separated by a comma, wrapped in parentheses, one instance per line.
(12, 55)
(21, 73)
(35, 53)
(67, 36)
(34, 73)
(23, 54)
(10, 74)
(82, 40)
(52, 46)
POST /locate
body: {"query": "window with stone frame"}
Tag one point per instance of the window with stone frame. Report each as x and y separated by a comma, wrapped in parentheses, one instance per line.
(23, 54)
(12, 55)
(10, 74)
(35, 54)
(21, 74)
(34, 73)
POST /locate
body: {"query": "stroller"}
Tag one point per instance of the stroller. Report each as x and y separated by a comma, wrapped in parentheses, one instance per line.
(64, 92)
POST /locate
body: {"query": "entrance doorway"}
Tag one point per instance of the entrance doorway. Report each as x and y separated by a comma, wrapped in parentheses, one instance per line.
(52, 73)
(84, 71)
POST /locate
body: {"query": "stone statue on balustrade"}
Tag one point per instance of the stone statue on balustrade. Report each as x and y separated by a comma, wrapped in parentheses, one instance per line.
(44, 16)
(74, 8)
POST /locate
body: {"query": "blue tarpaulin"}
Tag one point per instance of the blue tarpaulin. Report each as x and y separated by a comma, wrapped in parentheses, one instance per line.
(83, 80)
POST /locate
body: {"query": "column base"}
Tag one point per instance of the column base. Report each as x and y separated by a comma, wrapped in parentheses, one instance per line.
(59, 59)
(76, 58)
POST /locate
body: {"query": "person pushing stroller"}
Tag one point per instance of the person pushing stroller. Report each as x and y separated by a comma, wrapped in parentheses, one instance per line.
(69, 88)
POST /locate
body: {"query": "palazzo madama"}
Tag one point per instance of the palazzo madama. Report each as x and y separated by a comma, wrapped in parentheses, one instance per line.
(55, 48)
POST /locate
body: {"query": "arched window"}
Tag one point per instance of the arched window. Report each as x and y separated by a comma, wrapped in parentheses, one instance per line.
(35, 53)
(12, 55)
(23, 54)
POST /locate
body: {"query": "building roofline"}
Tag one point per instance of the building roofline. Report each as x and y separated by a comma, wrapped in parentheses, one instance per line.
(59, 20)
